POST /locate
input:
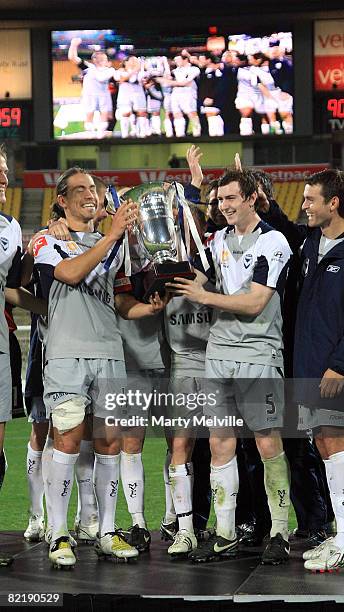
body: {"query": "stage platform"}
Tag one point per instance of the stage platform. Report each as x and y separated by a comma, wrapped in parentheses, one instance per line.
(155, 581)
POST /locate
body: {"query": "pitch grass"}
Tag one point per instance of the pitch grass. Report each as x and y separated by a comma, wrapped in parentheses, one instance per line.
(14, 494)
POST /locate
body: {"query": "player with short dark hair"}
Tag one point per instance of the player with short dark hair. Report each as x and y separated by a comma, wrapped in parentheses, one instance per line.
(319, 338)
(250, 262)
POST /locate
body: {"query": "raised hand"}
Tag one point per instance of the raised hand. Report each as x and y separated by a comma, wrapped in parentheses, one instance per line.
(193, 156)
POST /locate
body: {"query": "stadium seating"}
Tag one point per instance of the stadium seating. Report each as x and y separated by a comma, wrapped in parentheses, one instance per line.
(13, 202)
(289, 196)
(48, 197)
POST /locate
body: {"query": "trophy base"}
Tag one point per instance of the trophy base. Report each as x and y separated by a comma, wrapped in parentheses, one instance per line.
(160, 274)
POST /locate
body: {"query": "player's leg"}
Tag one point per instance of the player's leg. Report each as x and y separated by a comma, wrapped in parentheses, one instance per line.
(65, 455)
(89, 126)
(133, 483)
(224, 484)
(178, 117)
(330, 555)
(106, 113)
(68, 414)
(40, 425)
(124, 108)
(107, 446)
(277, 487)
(168, 120)
(156, 123)
(132, 469)
(223, 470)
(86, 520)
(5, 416)
(189, 107)
(169, 525)
(201, 494)
(181, 487)
(140, 109)
(262, 406)
(285, 109)
(215, 121)
(47, 457)
(242, 104)
(111, 378)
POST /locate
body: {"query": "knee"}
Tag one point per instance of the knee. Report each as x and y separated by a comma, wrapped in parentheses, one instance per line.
(39, 435)
(132, 446)
(222, 450)
(181, 450)
(69, 414)
(321, 446)
(269, 446)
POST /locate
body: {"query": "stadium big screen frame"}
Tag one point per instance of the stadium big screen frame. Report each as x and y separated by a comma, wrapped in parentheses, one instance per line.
(111, 84)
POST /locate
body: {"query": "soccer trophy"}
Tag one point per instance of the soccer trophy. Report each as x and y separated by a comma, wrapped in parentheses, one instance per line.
(158, 235)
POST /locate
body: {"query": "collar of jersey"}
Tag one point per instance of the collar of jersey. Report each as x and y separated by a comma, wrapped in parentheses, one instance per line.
(259, 225)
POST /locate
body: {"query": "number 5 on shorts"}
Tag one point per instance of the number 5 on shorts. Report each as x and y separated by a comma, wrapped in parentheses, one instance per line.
(269, 401)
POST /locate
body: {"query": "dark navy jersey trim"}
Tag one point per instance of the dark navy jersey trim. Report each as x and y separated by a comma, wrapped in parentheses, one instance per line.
(8, 217)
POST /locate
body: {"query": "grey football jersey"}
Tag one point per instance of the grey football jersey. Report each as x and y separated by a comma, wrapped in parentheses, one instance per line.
(187, 329)
(10, 258)
(82, 320)
(261, 257)
(143, 343)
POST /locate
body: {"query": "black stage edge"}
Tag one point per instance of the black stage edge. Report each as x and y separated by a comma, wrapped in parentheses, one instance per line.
(155, 583)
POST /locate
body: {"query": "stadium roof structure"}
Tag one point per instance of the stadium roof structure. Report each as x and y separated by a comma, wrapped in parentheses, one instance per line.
(154, 10)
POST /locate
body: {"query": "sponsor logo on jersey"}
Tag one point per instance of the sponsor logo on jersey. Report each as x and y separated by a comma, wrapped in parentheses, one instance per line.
(71, 246)
(333, 269)
(190, 318)
(225, 255)
(101, 294)
(4, 242)
(248, 260)
(39, 243)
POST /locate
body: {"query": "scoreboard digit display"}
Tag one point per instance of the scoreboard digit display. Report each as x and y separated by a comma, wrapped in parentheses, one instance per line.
(15, 120)
(329, 112)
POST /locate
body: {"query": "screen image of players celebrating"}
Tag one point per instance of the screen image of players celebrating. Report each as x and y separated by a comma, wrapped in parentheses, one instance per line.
(281, 70)
(184, 95)
(96, 95)
(208, 86)
(131, 110)
(265, 85)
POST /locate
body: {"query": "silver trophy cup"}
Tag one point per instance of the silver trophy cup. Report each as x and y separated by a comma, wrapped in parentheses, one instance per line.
(156, 235)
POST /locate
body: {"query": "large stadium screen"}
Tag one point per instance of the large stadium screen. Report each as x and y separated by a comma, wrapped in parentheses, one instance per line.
(110, 84)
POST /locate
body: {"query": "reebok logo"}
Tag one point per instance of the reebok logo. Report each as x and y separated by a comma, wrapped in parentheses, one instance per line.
(333, 269)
